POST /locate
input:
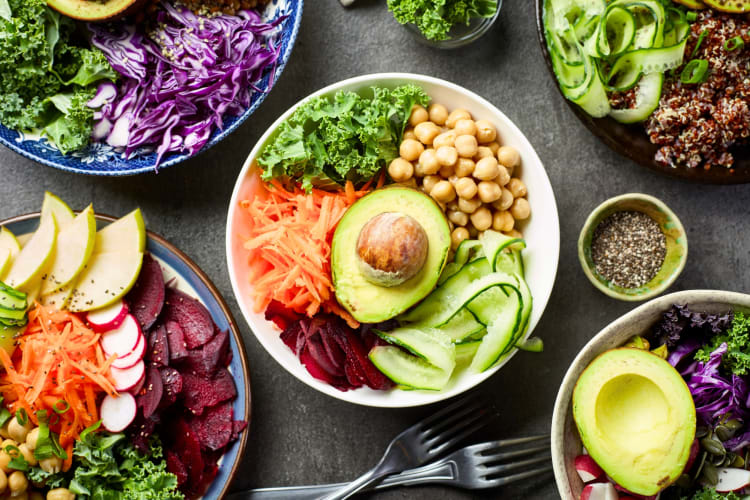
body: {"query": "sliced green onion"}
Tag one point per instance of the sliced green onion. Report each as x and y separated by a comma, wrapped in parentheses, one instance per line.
(57, 409)
(17, 461)
(54, 420)
(695, 71)
(88, 430)
(42, 415)
(691, 16)
(12, 450)
(22, 417)
(57, 449)
(4, 416)
(701, 37)
(43, 442)
(736, 43)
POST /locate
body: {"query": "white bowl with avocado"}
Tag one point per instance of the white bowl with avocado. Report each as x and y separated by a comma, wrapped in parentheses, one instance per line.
(541, 232)
(615, 397)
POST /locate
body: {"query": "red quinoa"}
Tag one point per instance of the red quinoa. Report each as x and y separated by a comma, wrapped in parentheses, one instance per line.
(697, 124)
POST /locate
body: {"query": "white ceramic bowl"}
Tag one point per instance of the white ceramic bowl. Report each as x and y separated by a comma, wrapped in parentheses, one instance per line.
(541, 232)
(566, 443)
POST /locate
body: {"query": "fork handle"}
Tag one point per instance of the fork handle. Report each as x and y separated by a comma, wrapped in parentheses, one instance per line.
(431, 473)
(360, 483)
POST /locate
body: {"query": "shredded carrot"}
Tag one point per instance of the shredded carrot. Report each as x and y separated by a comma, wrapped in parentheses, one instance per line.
(289, 244)
(58, 367)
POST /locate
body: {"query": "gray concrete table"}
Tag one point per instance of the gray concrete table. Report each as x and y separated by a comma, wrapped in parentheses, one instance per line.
(299, 436)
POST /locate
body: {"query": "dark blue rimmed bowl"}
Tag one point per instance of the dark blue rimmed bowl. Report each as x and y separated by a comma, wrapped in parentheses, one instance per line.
(102, 159)
(222, 316)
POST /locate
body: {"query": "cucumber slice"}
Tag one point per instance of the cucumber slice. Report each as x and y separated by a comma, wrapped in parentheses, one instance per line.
(617, 31)
(504, 316)
(407, 370)
(461, 326)
(12, 301)
(494, 242)
(13, 315)
(467, 250)
(534, 344)
(647, 98)
(465, 352)
(430, 344)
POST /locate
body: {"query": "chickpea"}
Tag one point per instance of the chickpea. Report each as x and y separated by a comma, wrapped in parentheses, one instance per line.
(486, 169)
(514, 233)
(455, 116)
(520, 209)
(509, 156)
(489, 191)
(4, 430)
(429, 182)
(466, 145)
(60, 494)
(486, 131)
(443, 208)
(4, 461)
(469, 206)
(17, 483)
(428, 163)
(453, 179)
(494, 146)
(400, 170)
(464, 167)
(3, 481)
(466, 127)
(6, 443)
(52, 464)
(502, 221)
(17, 431)
(482, 152)
(426, 132)
(410, 149)
(517, 187)
(28, 455)
(454, 204)
(31, 438)
(447, 138)
(503, 177)
(447, 155)
(418, 115)
(411, 182)
(458, 218)
(505, 201)
(447, 171)
(443, 192)
(409, 134)
(458, 235)
(438, 114)
(466, 188)
(481, 219)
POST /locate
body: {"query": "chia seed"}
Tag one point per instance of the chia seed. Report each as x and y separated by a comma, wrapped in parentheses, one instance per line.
(628, 249)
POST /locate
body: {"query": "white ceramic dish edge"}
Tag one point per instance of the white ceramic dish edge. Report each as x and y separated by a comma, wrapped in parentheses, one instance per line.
(614, 335)
(541, 256)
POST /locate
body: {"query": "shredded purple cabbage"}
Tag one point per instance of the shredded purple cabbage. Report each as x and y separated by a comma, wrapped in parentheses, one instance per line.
(179, 81)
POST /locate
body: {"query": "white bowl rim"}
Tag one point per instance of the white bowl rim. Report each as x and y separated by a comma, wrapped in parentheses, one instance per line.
(562, 401)
(540, 300)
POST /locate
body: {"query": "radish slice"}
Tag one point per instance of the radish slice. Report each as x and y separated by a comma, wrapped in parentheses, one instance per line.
(123, 339)
(587, 468)
(595, 491)
(118, 412)
(107, 318)
(133, 357)
(137, 387)
(126, 379)
(732, 479)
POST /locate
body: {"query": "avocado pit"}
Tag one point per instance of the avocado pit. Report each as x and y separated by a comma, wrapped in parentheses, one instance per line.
(391, 249)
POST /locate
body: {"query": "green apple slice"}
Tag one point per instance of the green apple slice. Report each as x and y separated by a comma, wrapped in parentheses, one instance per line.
(106, 278)
(9, 242)
(4, 260)
(75, 243)
(34, 258)
(59, 298)
(54, 205)
(127, 234)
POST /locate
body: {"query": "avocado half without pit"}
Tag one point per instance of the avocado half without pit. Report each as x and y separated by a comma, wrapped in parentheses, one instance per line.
(636, 418)
(95, 10)
(388, 251)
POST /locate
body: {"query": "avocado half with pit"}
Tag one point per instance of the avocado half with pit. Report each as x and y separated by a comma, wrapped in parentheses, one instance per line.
(95, 10)
(388, 251)
(731, 6)
(636, 418)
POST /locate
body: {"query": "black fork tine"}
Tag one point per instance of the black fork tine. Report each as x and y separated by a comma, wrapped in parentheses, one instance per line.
(469, 426)
(496, 457)
(493, 445)
(502, 481)
(456, 405)
(493, 470)
(452, 420)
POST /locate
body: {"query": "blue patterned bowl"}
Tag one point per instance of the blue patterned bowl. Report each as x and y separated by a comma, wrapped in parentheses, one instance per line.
(102, 159)
(192, 280)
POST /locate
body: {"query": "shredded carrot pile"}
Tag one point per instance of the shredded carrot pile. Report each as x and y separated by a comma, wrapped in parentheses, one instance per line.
(290, 246)
(58, 367)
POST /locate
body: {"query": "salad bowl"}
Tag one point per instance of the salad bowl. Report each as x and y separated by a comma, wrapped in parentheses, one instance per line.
(99, 158)
(566, 443)
(541, 233)
(181, 271)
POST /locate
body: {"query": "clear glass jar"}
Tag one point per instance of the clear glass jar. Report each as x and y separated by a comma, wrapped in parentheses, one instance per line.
(460, 34)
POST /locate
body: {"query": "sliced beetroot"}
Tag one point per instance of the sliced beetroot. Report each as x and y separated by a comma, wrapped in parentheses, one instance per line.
(172, 382)
(188, 448)
(357, 354)
(280, 315)
(353, 375)
(158, 346)
(237, 427)
(214, 428)
(146, 299)
(206, 360)
(176, 467)
(191, 315)
(200, 393)
(176, 341)
(319, 373)
(152, 392)
(141, 429)
(139, 385)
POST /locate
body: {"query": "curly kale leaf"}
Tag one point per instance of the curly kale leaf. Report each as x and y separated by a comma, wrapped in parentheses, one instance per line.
(737, 337)
(435, 18)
